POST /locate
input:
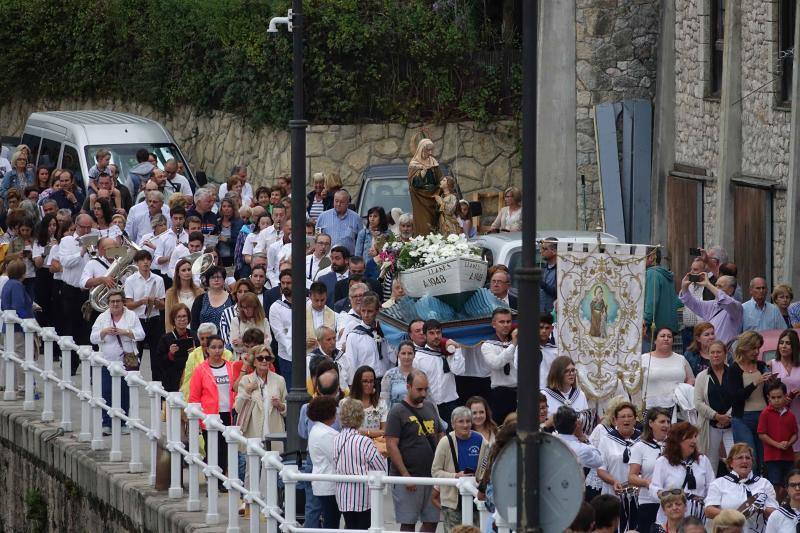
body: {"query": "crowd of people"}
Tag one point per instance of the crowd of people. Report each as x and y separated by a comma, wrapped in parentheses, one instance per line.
(710, 439)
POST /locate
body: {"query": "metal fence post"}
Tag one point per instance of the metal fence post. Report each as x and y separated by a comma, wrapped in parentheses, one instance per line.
(28, 326)
(193, 503)
(254, 479)
(10, 394)
(174, 444)
(49, 336)
(466, 499)
(154, 434)
(117, 371)
(271, 489)
(212, 459)
(66, 380)
(97, 402)
(375, 485)
(85, 352)
(134, 386)
(231, 433)
(290, 498)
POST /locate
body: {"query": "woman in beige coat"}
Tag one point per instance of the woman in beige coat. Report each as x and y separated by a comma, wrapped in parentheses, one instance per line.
(263, 394)
(462, 452)
(713, 404)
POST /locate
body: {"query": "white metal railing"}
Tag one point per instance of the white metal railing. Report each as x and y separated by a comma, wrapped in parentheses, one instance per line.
(263, 496)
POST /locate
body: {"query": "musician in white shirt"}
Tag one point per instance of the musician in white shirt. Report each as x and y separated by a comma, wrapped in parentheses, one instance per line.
(273, 233)
(787, 516)
(145, 294)
(322, 245)
(94, 273)
(172, 237)
(139, 216)
(500, 356)
(195, 244)
(366, 345)
(275, 252)
(154, 242)
(441, 362)
(72, 257)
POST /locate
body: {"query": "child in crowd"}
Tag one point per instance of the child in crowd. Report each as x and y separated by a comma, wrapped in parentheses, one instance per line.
(777, 429)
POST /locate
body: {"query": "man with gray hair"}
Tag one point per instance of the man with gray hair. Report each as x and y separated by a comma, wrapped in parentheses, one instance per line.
(174, 182)
(758, 313)
(204, 199)
(713, 258)
(139, 217)
(724, 312)
(340, 222)
(326, 349)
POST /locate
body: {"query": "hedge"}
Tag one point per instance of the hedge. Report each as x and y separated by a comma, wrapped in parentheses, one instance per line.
(366, 60)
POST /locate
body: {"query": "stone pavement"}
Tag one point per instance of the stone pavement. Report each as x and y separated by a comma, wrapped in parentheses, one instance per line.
(107, 483)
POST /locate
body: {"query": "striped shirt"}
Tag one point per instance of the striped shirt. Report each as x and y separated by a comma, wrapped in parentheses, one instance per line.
(354, 454)
(342, 229)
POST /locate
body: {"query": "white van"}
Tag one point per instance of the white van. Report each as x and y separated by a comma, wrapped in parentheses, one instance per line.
(70, 139)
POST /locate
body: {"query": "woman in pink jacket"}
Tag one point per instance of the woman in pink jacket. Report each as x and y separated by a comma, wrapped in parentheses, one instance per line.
(212, 387)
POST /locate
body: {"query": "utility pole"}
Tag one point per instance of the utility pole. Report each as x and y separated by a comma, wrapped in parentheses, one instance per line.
(529, 276)
(297, 388)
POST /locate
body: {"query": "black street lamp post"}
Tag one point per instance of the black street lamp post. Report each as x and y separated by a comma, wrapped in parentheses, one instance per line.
(529, 276)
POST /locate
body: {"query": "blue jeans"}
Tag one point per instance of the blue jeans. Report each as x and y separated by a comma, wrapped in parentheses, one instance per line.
(105, 381)
(314, 507)
(744, 430)
(285, 370)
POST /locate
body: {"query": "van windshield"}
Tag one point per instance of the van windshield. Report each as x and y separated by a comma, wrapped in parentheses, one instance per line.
(124, 156)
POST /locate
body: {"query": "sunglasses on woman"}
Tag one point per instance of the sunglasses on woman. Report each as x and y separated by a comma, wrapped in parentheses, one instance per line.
(262, 358)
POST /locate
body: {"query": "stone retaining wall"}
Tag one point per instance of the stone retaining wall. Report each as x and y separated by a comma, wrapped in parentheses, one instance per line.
(482, 157)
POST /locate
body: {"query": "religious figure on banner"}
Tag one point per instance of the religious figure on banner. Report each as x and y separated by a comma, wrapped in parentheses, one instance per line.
(599, 314)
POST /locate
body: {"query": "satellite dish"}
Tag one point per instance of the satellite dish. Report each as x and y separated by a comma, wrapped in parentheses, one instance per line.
(561, 484)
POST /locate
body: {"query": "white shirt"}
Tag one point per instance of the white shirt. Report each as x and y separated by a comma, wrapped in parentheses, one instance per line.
(280, 320)
(369, 349)
(661, 376)
(249, 243)
(588, 456)
(345, 323)
(645, 454)
(180, 251)
(783, 520)
(136, 288)
(549, 353)
(69, 255)
(497, 354)
(667, 476)
(575, 398)
(320, 451)
(223, 381)
(266, 237)
(161, 243)
(94, 269)
(613, 452)
(274, 254)
(139, 221)
(727, 494)
(177, 184)
(109, 345)
(312, 267)
(442, 385)
(49, 261)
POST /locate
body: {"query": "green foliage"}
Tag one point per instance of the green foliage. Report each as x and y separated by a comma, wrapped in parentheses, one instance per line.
(365, 60)
(36, 511)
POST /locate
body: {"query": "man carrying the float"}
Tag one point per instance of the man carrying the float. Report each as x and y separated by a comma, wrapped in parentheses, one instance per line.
(365, 343)
(441, 360)
(500, 355)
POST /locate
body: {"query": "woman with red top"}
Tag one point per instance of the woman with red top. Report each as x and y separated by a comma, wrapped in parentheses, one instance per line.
(211, 387)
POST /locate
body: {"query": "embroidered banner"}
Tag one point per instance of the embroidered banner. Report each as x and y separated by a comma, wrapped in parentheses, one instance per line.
(600, 307)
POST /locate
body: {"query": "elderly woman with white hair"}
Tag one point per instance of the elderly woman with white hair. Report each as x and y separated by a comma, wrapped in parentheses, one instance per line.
(461, 453)
(200, 354)
(19, 176)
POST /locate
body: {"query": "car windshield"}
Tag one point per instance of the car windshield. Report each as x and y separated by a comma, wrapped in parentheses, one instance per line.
(386, 193)
(124, 156)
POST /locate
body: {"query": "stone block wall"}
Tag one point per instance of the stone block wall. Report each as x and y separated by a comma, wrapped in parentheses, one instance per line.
(482, 157)
(615, 51)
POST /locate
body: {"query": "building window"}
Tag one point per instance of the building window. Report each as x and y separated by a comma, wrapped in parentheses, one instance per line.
(717, 45)
(786, 51)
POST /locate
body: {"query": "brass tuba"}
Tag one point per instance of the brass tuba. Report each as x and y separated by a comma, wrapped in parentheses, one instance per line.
(121, 268)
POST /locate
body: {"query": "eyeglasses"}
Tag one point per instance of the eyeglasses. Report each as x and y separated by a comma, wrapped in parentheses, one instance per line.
(262, 358)
(498, 282)
(570, 371)
(794, 485)
(84, 226)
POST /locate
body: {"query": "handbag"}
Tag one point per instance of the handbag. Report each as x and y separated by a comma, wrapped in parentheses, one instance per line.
(130, 360)
(245, 416)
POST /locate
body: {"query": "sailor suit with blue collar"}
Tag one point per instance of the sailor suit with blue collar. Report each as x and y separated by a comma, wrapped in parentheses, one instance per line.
(692, 476)
(366, 345)
(785, 519)
(616, 452)
(645, 454)
(730, 492)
